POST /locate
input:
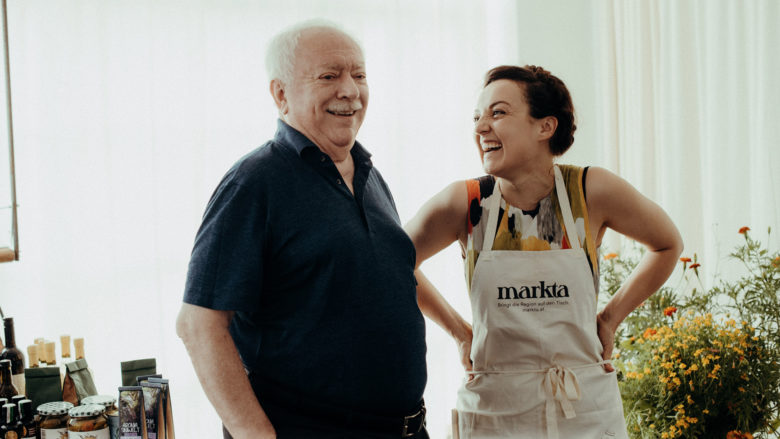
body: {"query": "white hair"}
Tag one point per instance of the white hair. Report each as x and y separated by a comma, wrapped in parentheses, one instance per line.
(280, 54)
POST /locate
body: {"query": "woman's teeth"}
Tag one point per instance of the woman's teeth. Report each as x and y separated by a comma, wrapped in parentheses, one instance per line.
(487, 147)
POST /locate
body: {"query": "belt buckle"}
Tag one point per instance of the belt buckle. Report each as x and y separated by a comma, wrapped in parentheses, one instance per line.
(409, 429)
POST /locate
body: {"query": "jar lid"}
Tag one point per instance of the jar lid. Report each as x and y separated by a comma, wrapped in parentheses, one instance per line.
(86, 410)
(104, 400)
(55, 408)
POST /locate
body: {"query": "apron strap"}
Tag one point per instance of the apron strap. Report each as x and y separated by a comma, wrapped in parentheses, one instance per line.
(563, 202)
(561, 385)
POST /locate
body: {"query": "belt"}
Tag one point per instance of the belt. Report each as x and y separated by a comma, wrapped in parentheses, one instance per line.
(560, 385)
(294, 404)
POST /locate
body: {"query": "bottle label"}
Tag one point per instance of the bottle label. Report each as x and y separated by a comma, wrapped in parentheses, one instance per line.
(30, 431)
(97, 434)
(11, 435)
(54, 433)
(18, 380)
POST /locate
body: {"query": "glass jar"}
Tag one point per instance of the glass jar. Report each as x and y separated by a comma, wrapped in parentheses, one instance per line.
(112, 413)
(54, 419)
(88, 421)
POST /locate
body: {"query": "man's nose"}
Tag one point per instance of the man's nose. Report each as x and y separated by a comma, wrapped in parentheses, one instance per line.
(348, 88)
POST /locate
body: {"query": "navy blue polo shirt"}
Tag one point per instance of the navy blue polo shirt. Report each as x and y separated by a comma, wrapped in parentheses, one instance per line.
(322, 281)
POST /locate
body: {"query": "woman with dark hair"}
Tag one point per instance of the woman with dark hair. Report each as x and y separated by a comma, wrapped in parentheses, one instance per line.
(538, 356)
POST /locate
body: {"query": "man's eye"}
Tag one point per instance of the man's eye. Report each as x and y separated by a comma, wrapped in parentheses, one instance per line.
(328, 77)
(498, 112)
(360, 76)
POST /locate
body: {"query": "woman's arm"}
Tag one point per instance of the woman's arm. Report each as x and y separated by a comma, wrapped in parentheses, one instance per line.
(440, 222)
(613, 203)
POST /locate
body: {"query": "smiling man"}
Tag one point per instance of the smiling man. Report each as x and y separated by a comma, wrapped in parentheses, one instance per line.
(300, 312)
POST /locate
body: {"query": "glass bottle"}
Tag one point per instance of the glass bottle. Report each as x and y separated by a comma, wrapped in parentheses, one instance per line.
(12, 427)
(78, 345)
(7, 388)
(65, 351)
(11, 352)
(32, 354)
(50, 355)
(27, 417)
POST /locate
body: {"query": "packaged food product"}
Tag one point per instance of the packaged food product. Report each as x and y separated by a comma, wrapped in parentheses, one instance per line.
(88, 422)
(153, 408)
(132, 419)
(54, 419)
(112, 412)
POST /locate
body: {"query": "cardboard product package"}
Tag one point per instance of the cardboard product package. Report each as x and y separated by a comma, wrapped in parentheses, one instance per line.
(43, 384)
(78, 383)
(132, 369)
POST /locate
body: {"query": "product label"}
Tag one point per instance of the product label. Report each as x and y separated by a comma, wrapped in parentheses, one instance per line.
(97, 434)
(18, 381)
(130, 430)
(11, 435)
(30, 431)
(54, 433)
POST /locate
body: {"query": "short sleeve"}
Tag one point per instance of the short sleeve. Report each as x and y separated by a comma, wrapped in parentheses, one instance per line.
(226, 266)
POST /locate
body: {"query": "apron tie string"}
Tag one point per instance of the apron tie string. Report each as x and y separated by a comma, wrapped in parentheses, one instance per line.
(560, 384)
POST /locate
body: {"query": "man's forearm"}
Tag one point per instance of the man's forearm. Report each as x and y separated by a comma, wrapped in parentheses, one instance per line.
(223, 378)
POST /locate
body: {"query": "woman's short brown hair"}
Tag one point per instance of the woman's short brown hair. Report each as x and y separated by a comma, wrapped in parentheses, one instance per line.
(546, 95)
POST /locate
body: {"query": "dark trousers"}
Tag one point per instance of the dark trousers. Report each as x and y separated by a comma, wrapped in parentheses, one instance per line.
(295, 417)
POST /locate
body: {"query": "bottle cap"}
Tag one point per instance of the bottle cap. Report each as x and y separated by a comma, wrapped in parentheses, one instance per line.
(25, 409)
(86, 410)
(104, 400)
(55, 408)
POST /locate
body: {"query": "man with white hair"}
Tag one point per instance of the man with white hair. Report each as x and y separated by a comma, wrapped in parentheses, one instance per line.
(300, 312)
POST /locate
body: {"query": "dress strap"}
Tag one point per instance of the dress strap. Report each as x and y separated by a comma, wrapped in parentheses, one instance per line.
(493, 205)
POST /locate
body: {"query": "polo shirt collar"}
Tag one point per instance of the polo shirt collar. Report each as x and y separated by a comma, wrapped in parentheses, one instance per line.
(294, 140)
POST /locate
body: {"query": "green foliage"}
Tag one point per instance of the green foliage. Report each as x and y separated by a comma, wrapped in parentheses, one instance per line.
(696, 362)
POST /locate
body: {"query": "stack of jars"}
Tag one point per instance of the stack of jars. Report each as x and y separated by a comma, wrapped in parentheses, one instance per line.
(88, 420)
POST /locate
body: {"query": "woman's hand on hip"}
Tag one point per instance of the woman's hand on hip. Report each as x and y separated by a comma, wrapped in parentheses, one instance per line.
(606, 335)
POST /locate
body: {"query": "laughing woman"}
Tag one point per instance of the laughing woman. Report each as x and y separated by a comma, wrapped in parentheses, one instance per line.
(538, 358)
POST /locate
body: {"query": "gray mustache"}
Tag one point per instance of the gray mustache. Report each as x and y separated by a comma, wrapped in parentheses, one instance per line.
(346, 107)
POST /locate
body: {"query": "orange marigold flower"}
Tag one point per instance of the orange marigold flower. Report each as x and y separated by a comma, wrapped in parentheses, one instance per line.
(609, 256)
(736, 434)
(669, 310)
(696, 265)
(649, 332)
(744, 230)
(685, 259)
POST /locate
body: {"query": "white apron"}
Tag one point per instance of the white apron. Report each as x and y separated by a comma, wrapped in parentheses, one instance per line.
(538, 372)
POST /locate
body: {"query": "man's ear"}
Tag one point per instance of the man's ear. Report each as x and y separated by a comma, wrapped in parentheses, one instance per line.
(277, 91)
(547, 127)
